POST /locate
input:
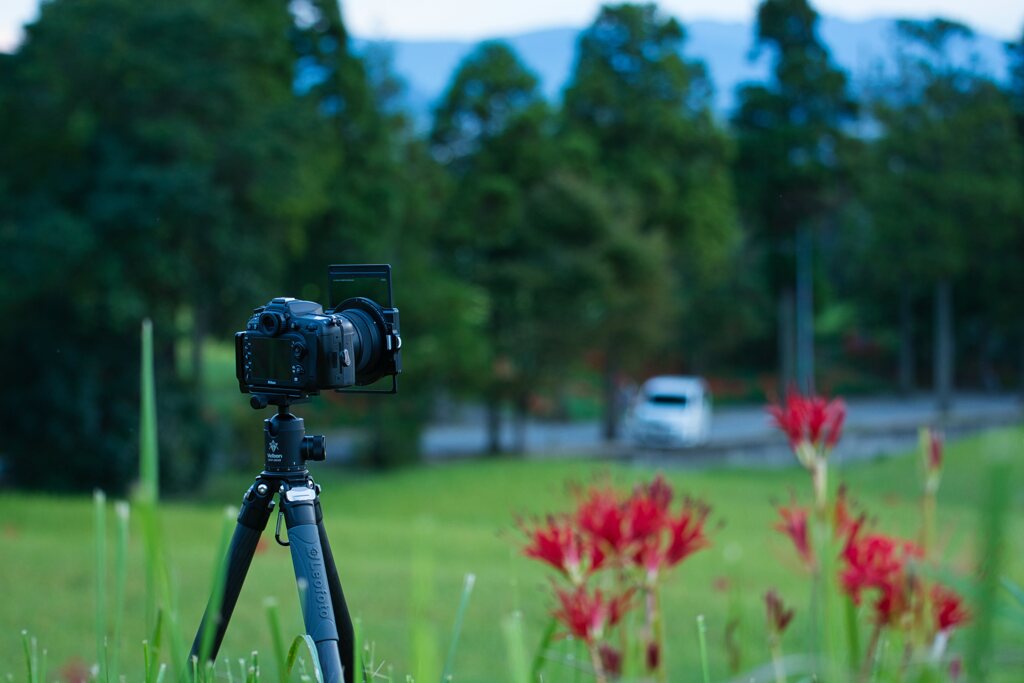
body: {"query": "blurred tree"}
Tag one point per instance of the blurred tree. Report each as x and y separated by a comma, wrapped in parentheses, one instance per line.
(490, 131)
(1015, 52)
(160, 170)
(789, 171)
(946, 194)
(645, 113)
(385, 204)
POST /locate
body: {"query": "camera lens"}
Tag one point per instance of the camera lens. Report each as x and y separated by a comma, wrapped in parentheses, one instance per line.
(271, 323)
(367, 342)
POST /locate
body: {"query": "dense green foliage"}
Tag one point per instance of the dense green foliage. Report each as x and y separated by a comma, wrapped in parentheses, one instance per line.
(188, 160)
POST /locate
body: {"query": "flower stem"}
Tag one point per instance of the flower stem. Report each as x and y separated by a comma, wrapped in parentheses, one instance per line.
(928, 523)
(657, 637)
(820, 476)
(702, 633)
(869, 654)
(595, 660)
(777, 665)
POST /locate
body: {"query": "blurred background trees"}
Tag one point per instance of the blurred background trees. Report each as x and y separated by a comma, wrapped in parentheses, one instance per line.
(790, 170)
(188, 160)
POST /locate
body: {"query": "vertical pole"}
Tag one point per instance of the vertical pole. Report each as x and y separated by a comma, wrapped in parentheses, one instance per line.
(804, 312)
(944, 344)
(786, 342)
(906, 360)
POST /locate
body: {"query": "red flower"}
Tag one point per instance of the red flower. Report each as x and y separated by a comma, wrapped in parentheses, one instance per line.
(949, 608)
(844, 524)
(558, 543)
(611, 660)
(586, 616)
(652, 656)
(878, 562)
(686, 532)
(810, 419)
(647, 509)
(794, 525)
(602, 517)
(778, 616)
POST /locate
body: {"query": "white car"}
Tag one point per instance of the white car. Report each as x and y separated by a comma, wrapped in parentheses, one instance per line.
(671, 412)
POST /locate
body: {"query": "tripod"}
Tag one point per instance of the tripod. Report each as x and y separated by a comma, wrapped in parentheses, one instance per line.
(284, 474)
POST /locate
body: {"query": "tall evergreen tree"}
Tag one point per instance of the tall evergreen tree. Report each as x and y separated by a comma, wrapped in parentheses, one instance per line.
(490, 129)
(947, 188)
(1015, 52)
(789, 171)
(158, 171)
(644, 111)
(385, 199)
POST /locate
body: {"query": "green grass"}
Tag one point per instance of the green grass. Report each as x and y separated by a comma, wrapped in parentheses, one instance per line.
(432, 525)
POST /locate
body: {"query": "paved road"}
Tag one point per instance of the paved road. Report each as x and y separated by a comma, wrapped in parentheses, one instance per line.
(739, 434)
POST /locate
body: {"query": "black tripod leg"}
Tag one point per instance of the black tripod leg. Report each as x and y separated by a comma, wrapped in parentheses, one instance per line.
(346, 633)
(311, 578)
(252, 520)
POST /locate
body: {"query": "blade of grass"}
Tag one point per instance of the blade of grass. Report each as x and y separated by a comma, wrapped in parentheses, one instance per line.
(852, 636)
(152, 648)
(702, 639)
(992, 533)
(424, 637)
(276, 638)
(159, 591)
(296, 649)
(467, 591)
(357, 646)
(30, 668)
(149, 458)
(515, 649)
(219, 579)
(1015, 591)
(99, 500)
(540, 657)
(120, 579)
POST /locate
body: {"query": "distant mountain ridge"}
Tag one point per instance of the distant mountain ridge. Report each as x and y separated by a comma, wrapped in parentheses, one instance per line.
(427, 65)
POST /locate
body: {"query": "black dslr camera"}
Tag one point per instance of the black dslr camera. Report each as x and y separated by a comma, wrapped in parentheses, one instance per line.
(291, 349)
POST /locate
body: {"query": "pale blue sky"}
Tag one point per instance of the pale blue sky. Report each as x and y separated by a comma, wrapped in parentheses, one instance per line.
(480, 18)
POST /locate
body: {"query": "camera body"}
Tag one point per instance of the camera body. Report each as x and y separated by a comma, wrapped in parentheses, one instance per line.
(291, 348)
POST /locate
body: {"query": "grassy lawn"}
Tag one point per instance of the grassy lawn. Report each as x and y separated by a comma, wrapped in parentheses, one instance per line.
(432, 525)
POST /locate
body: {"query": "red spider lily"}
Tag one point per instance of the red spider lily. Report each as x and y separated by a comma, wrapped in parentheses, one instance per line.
(810, 419)
(647, 508)
(686, 532)
(778, 616)
(681, 536)
(794, 525)
(652, 656)
(611, 660)
(558, 543)
(844, 524)
(586, 616)
(879, 562)
(602, 517)
(949, 608)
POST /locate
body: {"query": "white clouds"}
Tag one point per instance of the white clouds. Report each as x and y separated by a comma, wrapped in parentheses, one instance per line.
(483, 18)
(13, 15)
(468, 19)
